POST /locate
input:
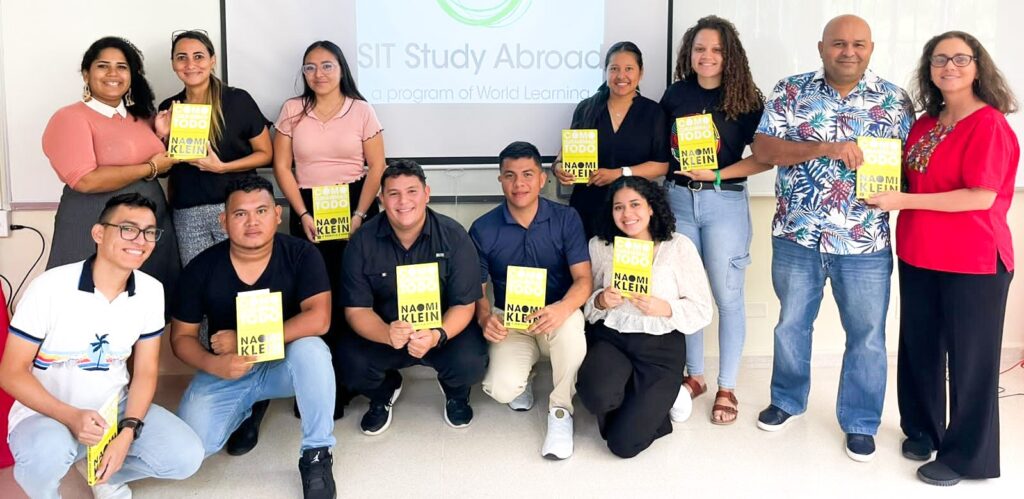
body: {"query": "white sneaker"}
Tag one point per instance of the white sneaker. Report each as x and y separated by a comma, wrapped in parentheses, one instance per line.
(524, 401)
(111, 491)
(558, 442)
(682, 407)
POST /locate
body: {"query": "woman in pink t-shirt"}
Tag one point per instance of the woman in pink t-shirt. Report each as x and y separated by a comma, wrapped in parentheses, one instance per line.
(955, 259)
(332, 137)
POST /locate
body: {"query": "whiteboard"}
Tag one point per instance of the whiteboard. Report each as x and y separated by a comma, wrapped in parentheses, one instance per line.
(781, 36)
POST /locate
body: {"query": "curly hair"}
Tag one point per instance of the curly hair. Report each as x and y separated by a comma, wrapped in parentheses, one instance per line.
(740, 94)
(663, 222)
(990, 86)
(140, 91)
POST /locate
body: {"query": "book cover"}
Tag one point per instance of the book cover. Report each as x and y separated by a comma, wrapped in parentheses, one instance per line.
(331, 212)
(697, 138)
(419, 295)
(632, 261)
(579, 154)
(94, 453)
(882, 169)
(190, 130)
(525, 291)
(260, 324)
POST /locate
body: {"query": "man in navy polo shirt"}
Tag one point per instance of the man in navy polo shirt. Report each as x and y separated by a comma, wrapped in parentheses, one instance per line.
(528, 231)
(410, 233)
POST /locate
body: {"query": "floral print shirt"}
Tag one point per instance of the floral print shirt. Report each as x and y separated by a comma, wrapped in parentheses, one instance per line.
(817, 206)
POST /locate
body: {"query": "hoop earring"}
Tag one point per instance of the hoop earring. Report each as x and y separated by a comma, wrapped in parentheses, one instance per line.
(86, 93)
(128, 101)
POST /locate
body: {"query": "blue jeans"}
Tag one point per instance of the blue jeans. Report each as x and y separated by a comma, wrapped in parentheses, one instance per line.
(44, 450)
(214, 407)
(860, 285)
(718, 223)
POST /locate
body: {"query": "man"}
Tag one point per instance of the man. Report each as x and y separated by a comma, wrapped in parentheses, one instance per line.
(821, 231)
(528, 231)
(66, 357)
(410, 233)
(255, 257)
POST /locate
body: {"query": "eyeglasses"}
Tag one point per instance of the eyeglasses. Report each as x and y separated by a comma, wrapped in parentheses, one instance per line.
(959, 60)
(175, 33)
(131, 232)
(326, 67)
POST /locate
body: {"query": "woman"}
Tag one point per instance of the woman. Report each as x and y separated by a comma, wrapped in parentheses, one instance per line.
(330, 132)
(712, 207)
(631, 133)
(955, 259)
(103, 146)
(635, 346)
(239, 143)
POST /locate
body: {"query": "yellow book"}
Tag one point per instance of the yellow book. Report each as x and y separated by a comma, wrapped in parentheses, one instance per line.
(632, 261)
(419, 295)
(260, 324)
(579, 154)
(190, 130)
(882, 167)
(94, 453)
(331, 212)
(698, 142)
(525, 290)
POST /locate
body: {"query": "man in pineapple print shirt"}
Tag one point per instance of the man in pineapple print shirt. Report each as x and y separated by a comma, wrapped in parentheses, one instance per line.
(66, 357)
(821, 231)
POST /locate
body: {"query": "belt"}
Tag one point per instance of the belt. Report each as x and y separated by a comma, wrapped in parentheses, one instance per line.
(697, 186)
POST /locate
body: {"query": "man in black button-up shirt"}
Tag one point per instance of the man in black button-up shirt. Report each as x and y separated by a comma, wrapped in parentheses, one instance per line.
(410, 233)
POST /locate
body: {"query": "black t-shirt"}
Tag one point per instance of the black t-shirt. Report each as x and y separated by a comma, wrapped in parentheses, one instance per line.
(208, 285)
(368, 271)
(642, 137)
(243, 120)
(687, 97)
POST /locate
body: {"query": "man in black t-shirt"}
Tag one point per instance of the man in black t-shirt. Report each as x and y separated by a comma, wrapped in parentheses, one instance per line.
(410, 233)
(255, 257)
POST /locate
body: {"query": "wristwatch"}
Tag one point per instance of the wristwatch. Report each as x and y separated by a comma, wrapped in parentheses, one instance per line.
(135, 424)
(627, 171)
(359, 214)
(442, 338)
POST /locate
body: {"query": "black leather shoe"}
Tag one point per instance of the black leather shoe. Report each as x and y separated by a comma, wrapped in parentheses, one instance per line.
(245, 438)
(774, 419)
(917, 448)
(936, 473)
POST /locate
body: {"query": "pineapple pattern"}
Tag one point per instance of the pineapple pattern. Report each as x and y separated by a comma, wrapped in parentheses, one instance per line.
(817, 206)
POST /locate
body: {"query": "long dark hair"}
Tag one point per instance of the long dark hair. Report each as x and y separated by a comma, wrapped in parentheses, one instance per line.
(139, 89)
(990, 86)
(740, 94)
(348, 83)
(594, 105)
(663, 222)
(213, 93)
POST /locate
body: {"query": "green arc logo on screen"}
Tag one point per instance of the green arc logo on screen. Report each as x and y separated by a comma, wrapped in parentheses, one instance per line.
(500, 14)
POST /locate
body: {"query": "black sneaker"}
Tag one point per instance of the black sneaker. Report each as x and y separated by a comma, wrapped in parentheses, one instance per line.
(378, 417)
(917, 447)
(774, 419)
(859, 447)
(247, 435)
(457, 412)
(936, 473)
(316, 466)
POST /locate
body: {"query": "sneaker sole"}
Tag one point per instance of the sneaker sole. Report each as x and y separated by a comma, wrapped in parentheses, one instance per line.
(551, 456)
(391, 413)
(772, 428)
(917, 457)
(444, 410)
(860, 458)
(940, 483)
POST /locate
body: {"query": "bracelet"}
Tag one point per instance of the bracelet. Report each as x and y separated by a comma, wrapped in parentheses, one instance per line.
(152, 171)
(304, 214)
(718, 178)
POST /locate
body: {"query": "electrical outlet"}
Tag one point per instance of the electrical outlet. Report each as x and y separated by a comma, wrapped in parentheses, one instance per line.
(5, 223)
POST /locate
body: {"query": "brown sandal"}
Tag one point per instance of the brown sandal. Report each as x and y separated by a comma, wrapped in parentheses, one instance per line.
(724, 409)
(696, 389)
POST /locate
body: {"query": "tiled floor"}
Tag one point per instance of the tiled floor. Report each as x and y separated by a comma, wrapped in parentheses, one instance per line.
(498, 455)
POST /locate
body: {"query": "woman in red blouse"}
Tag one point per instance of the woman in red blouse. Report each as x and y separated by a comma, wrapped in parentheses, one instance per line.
(955, 259)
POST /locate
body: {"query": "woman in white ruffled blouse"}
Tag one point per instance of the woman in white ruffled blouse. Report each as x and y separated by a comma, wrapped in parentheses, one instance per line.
(635, 346)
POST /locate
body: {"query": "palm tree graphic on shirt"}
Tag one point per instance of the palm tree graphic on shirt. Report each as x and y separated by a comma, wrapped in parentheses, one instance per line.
(98, 347)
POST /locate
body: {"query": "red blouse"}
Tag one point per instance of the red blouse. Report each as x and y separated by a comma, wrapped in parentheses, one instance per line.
(980, 152)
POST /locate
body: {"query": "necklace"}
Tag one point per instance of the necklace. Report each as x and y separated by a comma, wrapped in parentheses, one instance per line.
(330, 114)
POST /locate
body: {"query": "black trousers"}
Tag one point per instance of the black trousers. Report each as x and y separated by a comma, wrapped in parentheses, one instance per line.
(372, 368)
(630, 381)
(954, 318)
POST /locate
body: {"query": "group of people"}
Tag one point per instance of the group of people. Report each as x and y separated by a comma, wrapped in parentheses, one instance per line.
(636, 361)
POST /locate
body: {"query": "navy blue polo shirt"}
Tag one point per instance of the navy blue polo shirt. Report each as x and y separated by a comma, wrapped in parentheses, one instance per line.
(554, 240)
(368, 267)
